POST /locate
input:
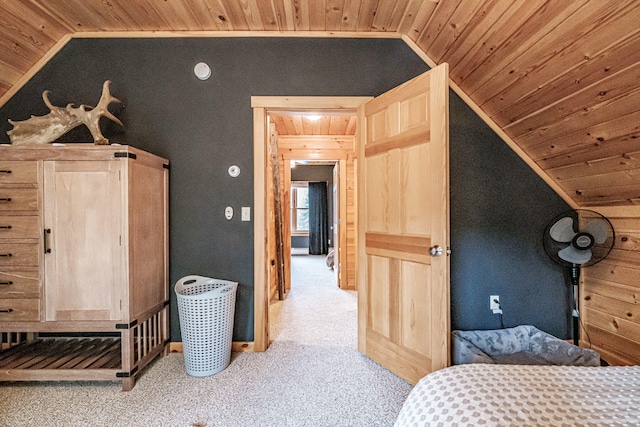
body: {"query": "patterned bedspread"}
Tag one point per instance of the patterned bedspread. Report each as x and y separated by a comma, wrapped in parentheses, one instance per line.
(519, 395)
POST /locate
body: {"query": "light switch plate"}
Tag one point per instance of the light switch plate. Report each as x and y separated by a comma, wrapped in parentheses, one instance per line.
(246, 213)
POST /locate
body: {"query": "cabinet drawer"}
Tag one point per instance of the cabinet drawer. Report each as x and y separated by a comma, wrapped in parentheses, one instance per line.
(18, 254)
(12, 172)
(18, 199)
(19, 284)
(19, 227)
(15, 310)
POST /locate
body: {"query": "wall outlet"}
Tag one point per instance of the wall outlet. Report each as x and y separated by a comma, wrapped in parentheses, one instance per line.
(494, 304)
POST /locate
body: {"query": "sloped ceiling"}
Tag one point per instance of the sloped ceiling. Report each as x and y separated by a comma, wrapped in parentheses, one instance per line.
(558, 79)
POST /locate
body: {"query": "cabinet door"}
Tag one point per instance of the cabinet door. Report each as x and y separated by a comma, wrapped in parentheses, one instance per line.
(84, 270)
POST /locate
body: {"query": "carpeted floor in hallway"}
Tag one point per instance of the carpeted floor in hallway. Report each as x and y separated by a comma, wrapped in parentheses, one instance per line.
(312, 375)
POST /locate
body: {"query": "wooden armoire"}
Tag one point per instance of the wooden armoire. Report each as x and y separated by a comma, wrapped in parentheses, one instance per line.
(83, 262)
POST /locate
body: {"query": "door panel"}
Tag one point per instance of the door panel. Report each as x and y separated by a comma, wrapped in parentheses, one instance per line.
(380, 294)
(415, 283)
(403, 312)
(416, 200)
(83, 209)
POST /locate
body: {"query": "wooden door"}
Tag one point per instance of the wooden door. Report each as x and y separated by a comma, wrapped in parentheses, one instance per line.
(84, 270)
(403, 203)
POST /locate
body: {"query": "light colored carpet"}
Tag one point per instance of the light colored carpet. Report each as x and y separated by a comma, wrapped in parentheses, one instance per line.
(312, 375)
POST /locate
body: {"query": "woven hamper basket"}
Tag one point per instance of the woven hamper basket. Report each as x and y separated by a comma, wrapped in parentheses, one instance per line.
(206, 307)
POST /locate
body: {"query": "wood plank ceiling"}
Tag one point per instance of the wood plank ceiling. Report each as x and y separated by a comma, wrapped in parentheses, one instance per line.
(296, 124)
(560, 78)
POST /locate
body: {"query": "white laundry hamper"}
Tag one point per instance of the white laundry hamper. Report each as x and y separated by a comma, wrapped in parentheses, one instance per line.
(206, 307)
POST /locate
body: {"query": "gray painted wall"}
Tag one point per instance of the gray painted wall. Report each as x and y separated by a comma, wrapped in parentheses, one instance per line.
(498, 205)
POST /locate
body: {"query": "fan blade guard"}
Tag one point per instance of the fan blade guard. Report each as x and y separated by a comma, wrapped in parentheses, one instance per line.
(575, 256)
(562, 230)
(598, 229)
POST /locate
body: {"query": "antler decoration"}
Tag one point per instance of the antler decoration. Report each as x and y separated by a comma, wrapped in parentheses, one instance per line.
(45, 129)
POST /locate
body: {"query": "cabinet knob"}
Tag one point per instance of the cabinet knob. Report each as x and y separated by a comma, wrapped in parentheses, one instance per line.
(5, 199)
(6, 227)
(5, 171)
(6, 283)
(6, 255)
(6, 310)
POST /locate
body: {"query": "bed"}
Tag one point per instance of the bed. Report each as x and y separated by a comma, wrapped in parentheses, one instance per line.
(525, 395)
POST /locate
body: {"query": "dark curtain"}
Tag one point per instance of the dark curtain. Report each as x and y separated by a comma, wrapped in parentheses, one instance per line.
(318, 219)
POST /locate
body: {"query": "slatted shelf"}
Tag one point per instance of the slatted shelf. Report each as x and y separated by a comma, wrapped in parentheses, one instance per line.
(30, 357)
(63, 353)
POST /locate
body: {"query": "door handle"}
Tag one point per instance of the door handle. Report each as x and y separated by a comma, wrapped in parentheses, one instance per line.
(6, 227)
(7, 310)
(5, 199)
(435, 251)
(438, 251)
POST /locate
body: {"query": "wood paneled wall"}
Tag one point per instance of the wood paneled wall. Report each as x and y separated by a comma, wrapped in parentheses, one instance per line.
(610, 294)
(349, 276)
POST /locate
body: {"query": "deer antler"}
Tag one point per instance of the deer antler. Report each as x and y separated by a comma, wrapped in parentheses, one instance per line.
(48, 128)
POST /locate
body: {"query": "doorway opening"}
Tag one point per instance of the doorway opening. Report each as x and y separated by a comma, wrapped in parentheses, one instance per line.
(300, 138)
(314, 217)
(403, 222)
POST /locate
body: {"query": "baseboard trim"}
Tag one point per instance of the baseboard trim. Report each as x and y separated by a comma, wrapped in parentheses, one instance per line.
(236, 346)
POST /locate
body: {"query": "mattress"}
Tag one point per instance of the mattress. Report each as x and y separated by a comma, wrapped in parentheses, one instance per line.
(525, 395)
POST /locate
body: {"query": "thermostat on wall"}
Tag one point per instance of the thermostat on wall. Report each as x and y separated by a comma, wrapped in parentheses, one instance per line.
(234, 171)
(202, 71)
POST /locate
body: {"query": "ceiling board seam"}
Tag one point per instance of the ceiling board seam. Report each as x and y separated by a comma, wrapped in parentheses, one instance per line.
(586, 151)
(566, 72)
(422, 16)
(572, 47)
(506, 138)
(366, 15)
(34, 69)
(408, 16)
(475, 31)
(541, 34)
(606, 110)
(454, 28)
(347, 24)
(62, 23)
(397, 15)
(490, 42)
(568, 97)
(423, 41)
(597, 161)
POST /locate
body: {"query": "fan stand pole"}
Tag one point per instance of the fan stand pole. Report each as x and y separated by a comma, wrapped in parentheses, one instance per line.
(575, 281)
